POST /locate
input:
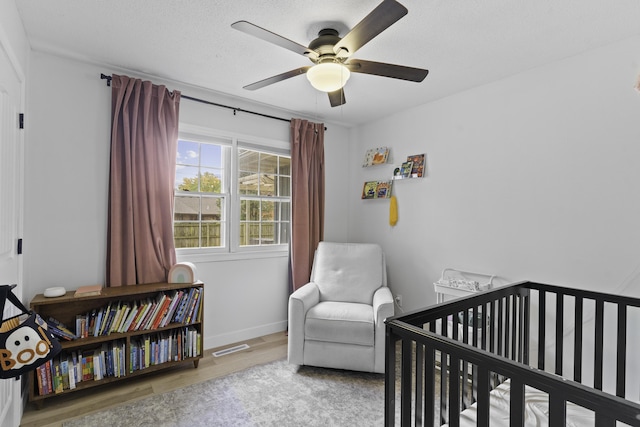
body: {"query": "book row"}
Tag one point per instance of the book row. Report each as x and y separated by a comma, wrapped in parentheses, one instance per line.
(171, 346)
(179, 306)
(111, 359)
(66, 371)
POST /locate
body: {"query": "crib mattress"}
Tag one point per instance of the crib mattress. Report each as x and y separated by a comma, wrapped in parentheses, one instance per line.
(536, 410)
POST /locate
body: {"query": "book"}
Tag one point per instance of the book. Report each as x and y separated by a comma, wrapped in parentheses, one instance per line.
(375, 156)
(162, 311)
(405, 169)
(383, 190)
(417, 166)
(369, 190)
(89, 290)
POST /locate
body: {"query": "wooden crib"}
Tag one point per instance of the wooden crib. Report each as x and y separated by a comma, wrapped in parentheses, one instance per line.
(522, 354)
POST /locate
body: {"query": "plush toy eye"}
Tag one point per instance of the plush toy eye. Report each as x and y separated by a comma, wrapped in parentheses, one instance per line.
(26, 337)
(17, 343)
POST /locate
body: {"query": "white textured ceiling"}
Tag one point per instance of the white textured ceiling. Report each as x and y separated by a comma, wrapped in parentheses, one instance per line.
(463, 43)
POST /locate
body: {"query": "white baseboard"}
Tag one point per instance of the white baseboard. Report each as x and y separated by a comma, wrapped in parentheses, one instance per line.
(243, 334)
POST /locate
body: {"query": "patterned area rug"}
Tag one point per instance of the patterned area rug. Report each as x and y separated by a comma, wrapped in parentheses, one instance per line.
(275, 394)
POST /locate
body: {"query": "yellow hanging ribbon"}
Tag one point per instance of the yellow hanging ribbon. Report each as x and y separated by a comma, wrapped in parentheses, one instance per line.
(393, 211)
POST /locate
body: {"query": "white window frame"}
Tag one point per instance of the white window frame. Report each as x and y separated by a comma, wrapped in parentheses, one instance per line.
(232, 248)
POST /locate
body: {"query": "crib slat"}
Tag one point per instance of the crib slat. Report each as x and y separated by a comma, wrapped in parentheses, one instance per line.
(444, 369)
(559, 331)
(516, 403)
(390, 377)
(483, 397)
(454, 391)
(419, 363)
(577, 340)
(603, 421)
(483, 328)
(405, 384)
(429, 386)
(599, 347)
(542, 322)
(622, 350)
(500, 320)
(507, 324)
(527, 326)
(514, 326)
(557, 410)
(492, 326)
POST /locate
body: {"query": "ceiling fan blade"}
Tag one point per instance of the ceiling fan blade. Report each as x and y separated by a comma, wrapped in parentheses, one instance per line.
(261, 33)
(278, 78)
(387, 70)
(337, 98)
(380, 18)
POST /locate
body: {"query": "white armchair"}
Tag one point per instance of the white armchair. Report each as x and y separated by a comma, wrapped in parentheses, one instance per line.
(337, 319)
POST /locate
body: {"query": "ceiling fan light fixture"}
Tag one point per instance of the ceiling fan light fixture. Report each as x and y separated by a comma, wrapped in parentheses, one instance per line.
(328, 76)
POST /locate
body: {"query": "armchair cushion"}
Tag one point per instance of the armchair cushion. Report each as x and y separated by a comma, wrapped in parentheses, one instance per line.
(340, 322)
(348, 272)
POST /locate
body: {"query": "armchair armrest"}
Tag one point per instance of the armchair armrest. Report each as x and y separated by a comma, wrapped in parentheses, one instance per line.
(300, 301)
(382, 305)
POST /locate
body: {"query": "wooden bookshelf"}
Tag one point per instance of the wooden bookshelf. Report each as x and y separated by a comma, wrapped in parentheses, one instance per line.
(65, 309)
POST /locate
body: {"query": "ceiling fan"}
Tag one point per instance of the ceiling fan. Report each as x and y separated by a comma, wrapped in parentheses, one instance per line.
(331, 54)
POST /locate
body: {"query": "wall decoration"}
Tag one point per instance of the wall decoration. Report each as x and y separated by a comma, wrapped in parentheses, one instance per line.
(376, 190)
(375, 156)
(405, 169)
(417, 168)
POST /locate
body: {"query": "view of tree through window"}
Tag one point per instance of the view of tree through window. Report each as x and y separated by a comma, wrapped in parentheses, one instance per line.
(259, 216)
(199, 207)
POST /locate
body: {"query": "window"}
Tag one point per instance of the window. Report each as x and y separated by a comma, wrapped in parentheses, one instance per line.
(231, 195)
(264, 185)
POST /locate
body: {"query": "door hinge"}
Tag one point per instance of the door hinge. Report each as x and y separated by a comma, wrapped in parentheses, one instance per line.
(21, 120)
(19, 248)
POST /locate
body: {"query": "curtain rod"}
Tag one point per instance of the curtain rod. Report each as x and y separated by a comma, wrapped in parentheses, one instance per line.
(235, 109)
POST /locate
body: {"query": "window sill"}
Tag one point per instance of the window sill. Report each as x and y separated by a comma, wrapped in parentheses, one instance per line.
(202, 257)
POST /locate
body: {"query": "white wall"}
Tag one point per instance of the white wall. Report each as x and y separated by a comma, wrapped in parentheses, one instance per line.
(67, 160)
(532, 177)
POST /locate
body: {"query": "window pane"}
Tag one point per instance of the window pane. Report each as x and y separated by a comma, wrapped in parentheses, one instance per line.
(210, 181)
(253, 213)
(187, 208)
(188, 153)
(186, 178)
(268, 163)
(267, 185)
(185, 234)
(212, 209)
(285, 166)
(248, 160)
(267, 237)
(285, 211)
(284, 186)
(267, 211)
(283, 229)
(211, 235)
(211, 156)
(252, 231)
(248, 183)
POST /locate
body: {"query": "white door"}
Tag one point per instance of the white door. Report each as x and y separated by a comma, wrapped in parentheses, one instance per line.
(11, 161)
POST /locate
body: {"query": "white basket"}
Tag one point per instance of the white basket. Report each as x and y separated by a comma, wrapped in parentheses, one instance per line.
(464, 280)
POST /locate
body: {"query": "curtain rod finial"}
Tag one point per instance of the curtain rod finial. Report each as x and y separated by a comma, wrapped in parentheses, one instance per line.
(107, 78)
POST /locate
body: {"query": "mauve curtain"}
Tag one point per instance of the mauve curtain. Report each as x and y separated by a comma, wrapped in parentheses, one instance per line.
(307, 195)
(144, 136)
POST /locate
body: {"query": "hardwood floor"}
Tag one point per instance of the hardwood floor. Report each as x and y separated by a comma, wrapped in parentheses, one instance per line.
(58, 409)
